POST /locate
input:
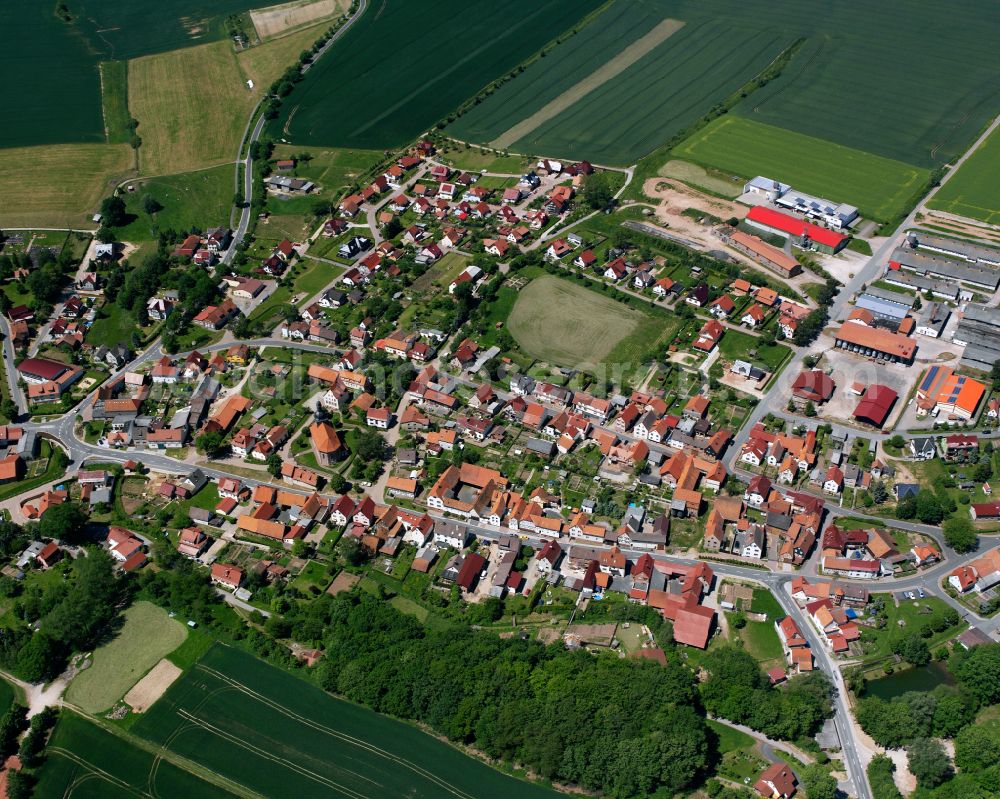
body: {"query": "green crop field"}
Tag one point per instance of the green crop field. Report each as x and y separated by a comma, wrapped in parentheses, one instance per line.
(278, 736)
(647, 103)
(50, 78)
(147, 636)
(125, 29)
(974, 190)
(114, 94)
(880, 187)
(445, 55)
(85, 761)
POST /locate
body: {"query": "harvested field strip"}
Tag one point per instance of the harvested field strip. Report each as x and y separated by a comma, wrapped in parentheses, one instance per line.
(599, 77)
(879, 187)
(267, 61)
(659, 95)
(563, 67)
(58, 185)
(300, 739)
(275, 20)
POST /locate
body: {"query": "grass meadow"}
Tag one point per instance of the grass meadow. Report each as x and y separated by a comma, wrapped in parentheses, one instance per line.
(147, 636)
(114, 100)
(973, 191)
(277, 735)
(192, 106)
(201, 199)
(445, 56)
(879, 187)
(565, 324)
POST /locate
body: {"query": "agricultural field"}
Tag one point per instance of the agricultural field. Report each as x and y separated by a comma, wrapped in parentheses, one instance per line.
(879, 187)
(125, 29)
(565, 324)
(50, 77)
(267, 61)
(58, 185)
(85, 761)
(277, 735)
(389, 103)
(147, 636)
(897, 79)
(973, 190)
(640, 107)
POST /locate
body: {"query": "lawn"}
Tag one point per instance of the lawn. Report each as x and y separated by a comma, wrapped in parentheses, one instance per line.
(112, 326)
(901, 621)
(764, 602)
(58, 185)
(394, 99)
(147, 636)
(85, 761)
(565, 324)
(880, 187)
(736, 344)
(730, 740)
(332, 169)
(641, 104)
(201, 199)
(442, 273)
(231, 702)
(973, 190)
(51, 471)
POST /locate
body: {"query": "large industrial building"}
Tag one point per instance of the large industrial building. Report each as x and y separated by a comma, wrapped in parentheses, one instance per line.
(982, 277)
(953, 248)
(875, 343)
(979, 332)
(803, 234)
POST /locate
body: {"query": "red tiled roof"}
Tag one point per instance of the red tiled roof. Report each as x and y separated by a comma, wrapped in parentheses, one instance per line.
(794, 226)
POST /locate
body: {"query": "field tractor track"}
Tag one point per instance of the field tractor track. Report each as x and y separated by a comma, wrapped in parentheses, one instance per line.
(340, 735)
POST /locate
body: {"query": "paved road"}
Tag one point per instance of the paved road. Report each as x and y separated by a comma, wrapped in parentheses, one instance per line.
(246, 210)
(9, 359)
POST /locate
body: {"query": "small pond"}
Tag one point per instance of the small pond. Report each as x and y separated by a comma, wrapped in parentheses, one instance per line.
(921, 678)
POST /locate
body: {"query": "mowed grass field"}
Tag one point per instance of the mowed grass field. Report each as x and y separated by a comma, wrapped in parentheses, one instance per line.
(362, 95)
(192, 106)
(147, 636)
(565, 324)
(279, 736)
(974, 191)
(879, 187)
(58, 185)
(85, 761)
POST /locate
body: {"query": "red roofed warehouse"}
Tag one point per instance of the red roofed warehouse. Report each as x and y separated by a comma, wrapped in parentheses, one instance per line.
(874, 408)
(875, 343)
(803, 234)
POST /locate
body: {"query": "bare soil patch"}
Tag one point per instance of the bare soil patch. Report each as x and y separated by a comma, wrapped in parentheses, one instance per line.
(275, 20)
(151, 687)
